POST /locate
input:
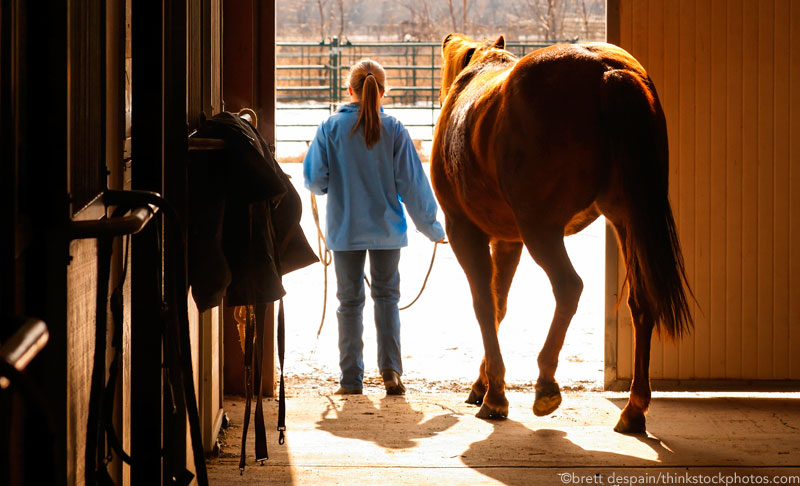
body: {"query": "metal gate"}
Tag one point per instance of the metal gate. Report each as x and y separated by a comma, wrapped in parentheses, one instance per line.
(313, 76)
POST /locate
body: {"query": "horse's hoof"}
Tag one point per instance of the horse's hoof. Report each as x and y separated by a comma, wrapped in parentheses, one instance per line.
(492, 413)
(631, 425)
(548, 398)
(474, 398)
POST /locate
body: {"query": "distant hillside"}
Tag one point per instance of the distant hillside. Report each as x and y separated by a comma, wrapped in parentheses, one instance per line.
(431, 20)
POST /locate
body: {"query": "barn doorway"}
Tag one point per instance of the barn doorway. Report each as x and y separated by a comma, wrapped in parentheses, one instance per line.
(442, 349)
(441, 341)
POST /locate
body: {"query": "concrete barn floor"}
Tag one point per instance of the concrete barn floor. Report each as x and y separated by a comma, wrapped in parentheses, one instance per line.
(434, 438)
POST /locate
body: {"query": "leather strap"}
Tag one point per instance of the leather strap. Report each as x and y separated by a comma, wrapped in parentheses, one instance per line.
(113, 371)
(248, 384)
(177, 344)
(253, 359)
(261, 432)
(282, 391)
(281, 339)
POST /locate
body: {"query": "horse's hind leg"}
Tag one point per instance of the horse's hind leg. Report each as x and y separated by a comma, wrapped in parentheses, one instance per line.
(505, 258)
(546, 246)
(632, 419)
(471, 247)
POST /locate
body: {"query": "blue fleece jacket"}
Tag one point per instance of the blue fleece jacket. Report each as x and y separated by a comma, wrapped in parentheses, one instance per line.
(366, 187)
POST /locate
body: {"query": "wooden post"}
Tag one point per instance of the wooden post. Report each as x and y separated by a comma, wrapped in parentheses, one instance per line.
(146, 167)
(248, 72)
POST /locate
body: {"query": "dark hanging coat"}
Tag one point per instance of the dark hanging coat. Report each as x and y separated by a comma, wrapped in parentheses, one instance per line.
(244, 219)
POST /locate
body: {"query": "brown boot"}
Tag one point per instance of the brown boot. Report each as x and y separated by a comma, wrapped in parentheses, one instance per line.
(347, 391)
(391, 380)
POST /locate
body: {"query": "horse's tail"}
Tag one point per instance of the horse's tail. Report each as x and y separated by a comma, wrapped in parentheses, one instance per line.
(638, 133)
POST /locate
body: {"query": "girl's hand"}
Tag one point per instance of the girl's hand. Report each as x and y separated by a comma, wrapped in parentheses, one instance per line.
(443, 241)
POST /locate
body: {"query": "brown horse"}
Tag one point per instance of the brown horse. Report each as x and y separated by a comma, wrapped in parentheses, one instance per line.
(527, 151)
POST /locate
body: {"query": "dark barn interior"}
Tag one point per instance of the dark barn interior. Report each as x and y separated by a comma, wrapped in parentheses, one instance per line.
(96, 98)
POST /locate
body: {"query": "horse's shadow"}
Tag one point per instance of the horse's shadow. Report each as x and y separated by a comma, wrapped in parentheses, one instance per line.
(513, 453)
(544, 455)
(392, 424)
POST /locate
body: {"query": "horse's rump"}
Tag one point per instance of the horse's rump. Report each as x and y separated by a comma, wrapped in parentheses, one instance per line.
(525, 129)
(561, 135)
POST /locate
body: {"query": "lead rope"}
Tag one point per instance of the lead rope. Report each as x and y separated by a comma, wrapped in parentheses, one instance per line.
(425, 281)
(326, 259)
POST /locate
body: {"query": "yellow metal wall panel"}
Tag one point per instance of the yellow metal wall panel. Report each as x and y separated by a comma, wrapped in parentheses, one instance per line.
(749, 189)
(701, 348)
(794, 191)
(639, 16)
(669, 95)
(733, 185)
(683, 195)
(780, 294)
(717, 211)
(765, 169)
(728, 78)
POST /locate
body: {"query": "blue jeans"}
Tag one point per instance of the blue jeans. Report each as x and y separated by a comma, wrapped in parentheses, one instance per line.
(385, 291)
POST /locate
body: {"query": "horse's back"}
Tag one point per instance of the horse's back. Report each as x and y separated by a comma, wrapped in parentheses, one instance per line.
(561, 58)
(536, 144)
(553, 156)
(565, 78)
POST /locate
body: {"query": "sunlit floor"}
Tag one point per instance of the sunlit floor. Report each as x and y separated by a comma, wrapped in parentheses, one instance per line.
(431, 436)
(434, 438)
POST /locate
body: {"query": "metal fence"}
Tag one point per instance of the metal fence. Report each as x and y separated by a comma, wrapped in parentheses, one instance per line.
(312, 78)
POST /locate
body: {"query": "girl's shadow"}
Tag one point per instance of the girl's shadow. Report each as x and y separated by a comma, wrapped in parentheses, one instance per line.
(393, 424)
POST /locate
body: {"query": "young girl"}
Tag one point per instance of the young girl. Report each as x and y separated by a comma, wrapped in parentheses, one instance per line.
(364, 160)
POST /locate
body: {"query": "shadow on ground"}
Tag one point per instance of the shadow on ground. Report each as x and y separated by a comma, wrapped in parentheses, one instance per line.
(392, 424)
(512, 447)
(709, 433)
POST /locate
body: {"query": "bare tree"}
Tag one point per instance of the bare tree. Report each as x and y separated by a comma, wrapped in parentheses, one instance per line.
(465, 4)
(551, 20)
(452, 15)
(423, 23)
(584, 14)
(342, 14)
(549, 15)
(322, 8)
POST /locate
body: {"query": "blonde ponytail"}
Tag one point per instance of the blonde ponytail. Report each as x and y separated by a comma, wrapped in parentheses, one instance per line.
(368, 79)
